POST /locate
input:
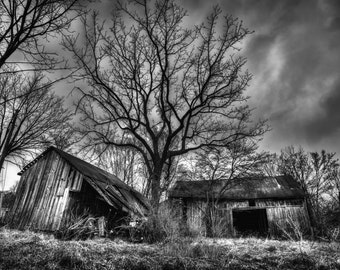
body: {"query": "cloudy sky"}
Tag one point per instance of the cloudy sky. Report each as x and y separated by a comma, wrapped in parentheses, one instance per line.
(294, 56)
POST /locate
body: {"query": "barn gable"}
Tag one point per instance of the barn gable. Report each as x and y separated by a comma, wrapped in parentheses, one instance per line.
(56, 183)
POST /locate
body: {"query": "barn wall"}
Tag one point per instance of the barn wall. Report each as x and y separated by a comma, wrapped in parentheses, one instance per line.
(222, 221)
(195, 216)
(282, 215)
(288, 219)
(43, 193)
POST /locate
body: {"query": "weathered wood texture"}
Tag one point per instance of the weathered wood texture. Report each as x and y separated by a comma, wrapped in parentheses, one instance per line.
(43, 193)
(282, 215)
(286, 220)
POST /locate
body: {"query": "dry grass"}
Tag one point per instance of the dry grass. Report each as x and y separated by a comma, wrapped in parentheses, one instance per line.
(28, 250)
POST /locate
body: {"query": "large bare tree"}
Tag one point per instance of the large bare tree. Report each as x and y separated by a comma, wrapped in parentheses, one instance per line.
(29, 111)
(26, 26)
(171, 89)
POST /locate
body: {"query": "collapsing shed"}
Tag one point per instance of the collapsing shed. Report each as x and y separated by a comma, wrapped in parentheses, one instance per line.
(57, 185)
(256, 205)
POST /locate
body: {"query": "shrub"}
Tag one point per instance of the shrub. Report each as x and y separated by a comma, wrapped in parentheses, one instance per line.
(157, 227)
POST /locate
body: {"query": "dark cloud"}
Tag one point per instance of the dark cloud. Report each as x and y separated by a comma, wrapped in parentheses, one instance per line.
(334, 24)
(294, 56)
(326, 122)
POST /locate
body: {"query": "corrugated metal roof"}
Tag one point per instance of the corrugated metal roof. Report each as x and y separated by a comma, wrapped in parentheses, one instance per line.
(106, 184)
(278, 187)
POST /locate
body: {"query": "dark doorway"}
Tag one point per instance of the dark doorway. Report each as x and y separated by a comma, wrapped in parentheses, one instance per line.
(250, 222)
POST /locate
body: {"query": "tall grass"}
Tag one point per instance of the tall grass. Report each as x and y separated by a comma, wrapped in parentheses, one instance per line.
(29, 250)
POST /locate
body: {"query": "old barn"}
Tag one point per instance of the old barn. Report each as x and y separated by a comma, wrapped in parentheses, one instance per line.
(257, 205)
(57, 185)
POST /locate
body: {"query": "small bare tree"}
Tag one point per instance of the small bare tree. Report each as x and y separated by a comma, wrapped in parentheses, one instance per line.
(315, 173)
(335, 178)
(173, 90)
(26, 24)
(124, 163)
(28, 112)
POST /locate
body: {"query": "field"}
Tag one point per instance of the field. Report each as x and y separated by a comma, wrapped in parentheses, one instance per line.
(28, 250)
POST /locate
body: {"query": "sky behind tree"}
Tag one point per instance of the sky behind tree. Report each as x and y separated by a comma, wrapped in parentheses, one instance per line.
(294, 56)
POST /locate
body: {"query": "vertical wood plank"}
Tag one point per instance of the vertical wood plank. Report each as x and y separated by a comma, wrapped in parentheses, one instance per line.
(42, 190)
(51, 185)
(55, 199)
(60, 193)
(61, 210)
(37, 183)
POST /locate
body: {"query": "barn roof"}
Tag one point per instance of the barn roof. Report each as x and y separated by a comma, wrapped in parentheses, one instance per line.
(114, 191)
(278, 187)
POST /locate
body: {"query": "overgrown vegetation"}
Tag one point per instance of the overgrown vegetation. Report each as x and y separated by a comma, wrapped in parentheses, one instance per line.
(164, 226)
(78, 228)
(318, 174)
(28, 250)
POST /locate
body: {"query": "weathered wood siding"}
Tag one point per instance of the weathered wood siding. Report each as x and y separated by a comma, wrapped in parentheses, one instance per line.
(43, 193)
(195, 216)
(282, 215)
(287, 219)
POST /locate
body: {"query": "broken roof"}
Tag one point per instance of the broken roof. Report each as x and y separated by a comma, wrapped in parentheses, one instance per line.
(114, 191)
(261, 187)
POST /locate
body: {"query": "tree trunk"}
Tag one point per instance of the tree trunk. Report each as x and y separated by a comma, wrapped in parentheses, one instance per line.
(311, 214)
(2, 161)
(155, 189)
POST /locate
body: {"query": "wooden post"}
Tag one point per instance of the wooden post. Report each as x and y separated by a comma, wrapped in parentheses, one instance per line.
(101, 226)
(232, 229)
(1, 198)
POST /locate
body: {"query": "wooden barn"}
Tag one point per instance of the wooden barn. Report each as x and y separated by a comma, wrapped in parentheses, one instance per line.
(57, 185)
(257, 205)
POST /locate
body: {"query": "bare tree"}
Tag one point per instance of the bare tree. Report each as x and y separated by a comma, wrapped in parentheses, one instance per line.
(124, 163)
(29, 113)
(335, 178)
(315, 173)
(173, 90)
(239, 159)
(64, 136)
(25, 27)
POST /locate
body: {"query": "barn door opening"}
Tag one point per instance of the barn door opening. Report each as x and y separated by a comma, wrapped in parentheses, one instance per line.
(250, 222)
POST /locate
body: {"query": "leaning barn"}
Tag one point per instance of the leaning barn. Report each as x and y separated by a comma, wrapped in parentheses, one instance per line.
(57, 185)
(260, 205)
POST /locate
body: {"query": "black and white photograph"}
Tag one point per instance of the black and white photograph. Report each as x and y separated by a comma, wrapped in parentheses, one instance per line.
(169, 134)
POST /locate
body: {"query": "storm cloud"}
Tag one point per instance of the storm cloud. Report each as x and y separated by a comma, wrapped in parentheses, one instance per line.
(294, 55)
